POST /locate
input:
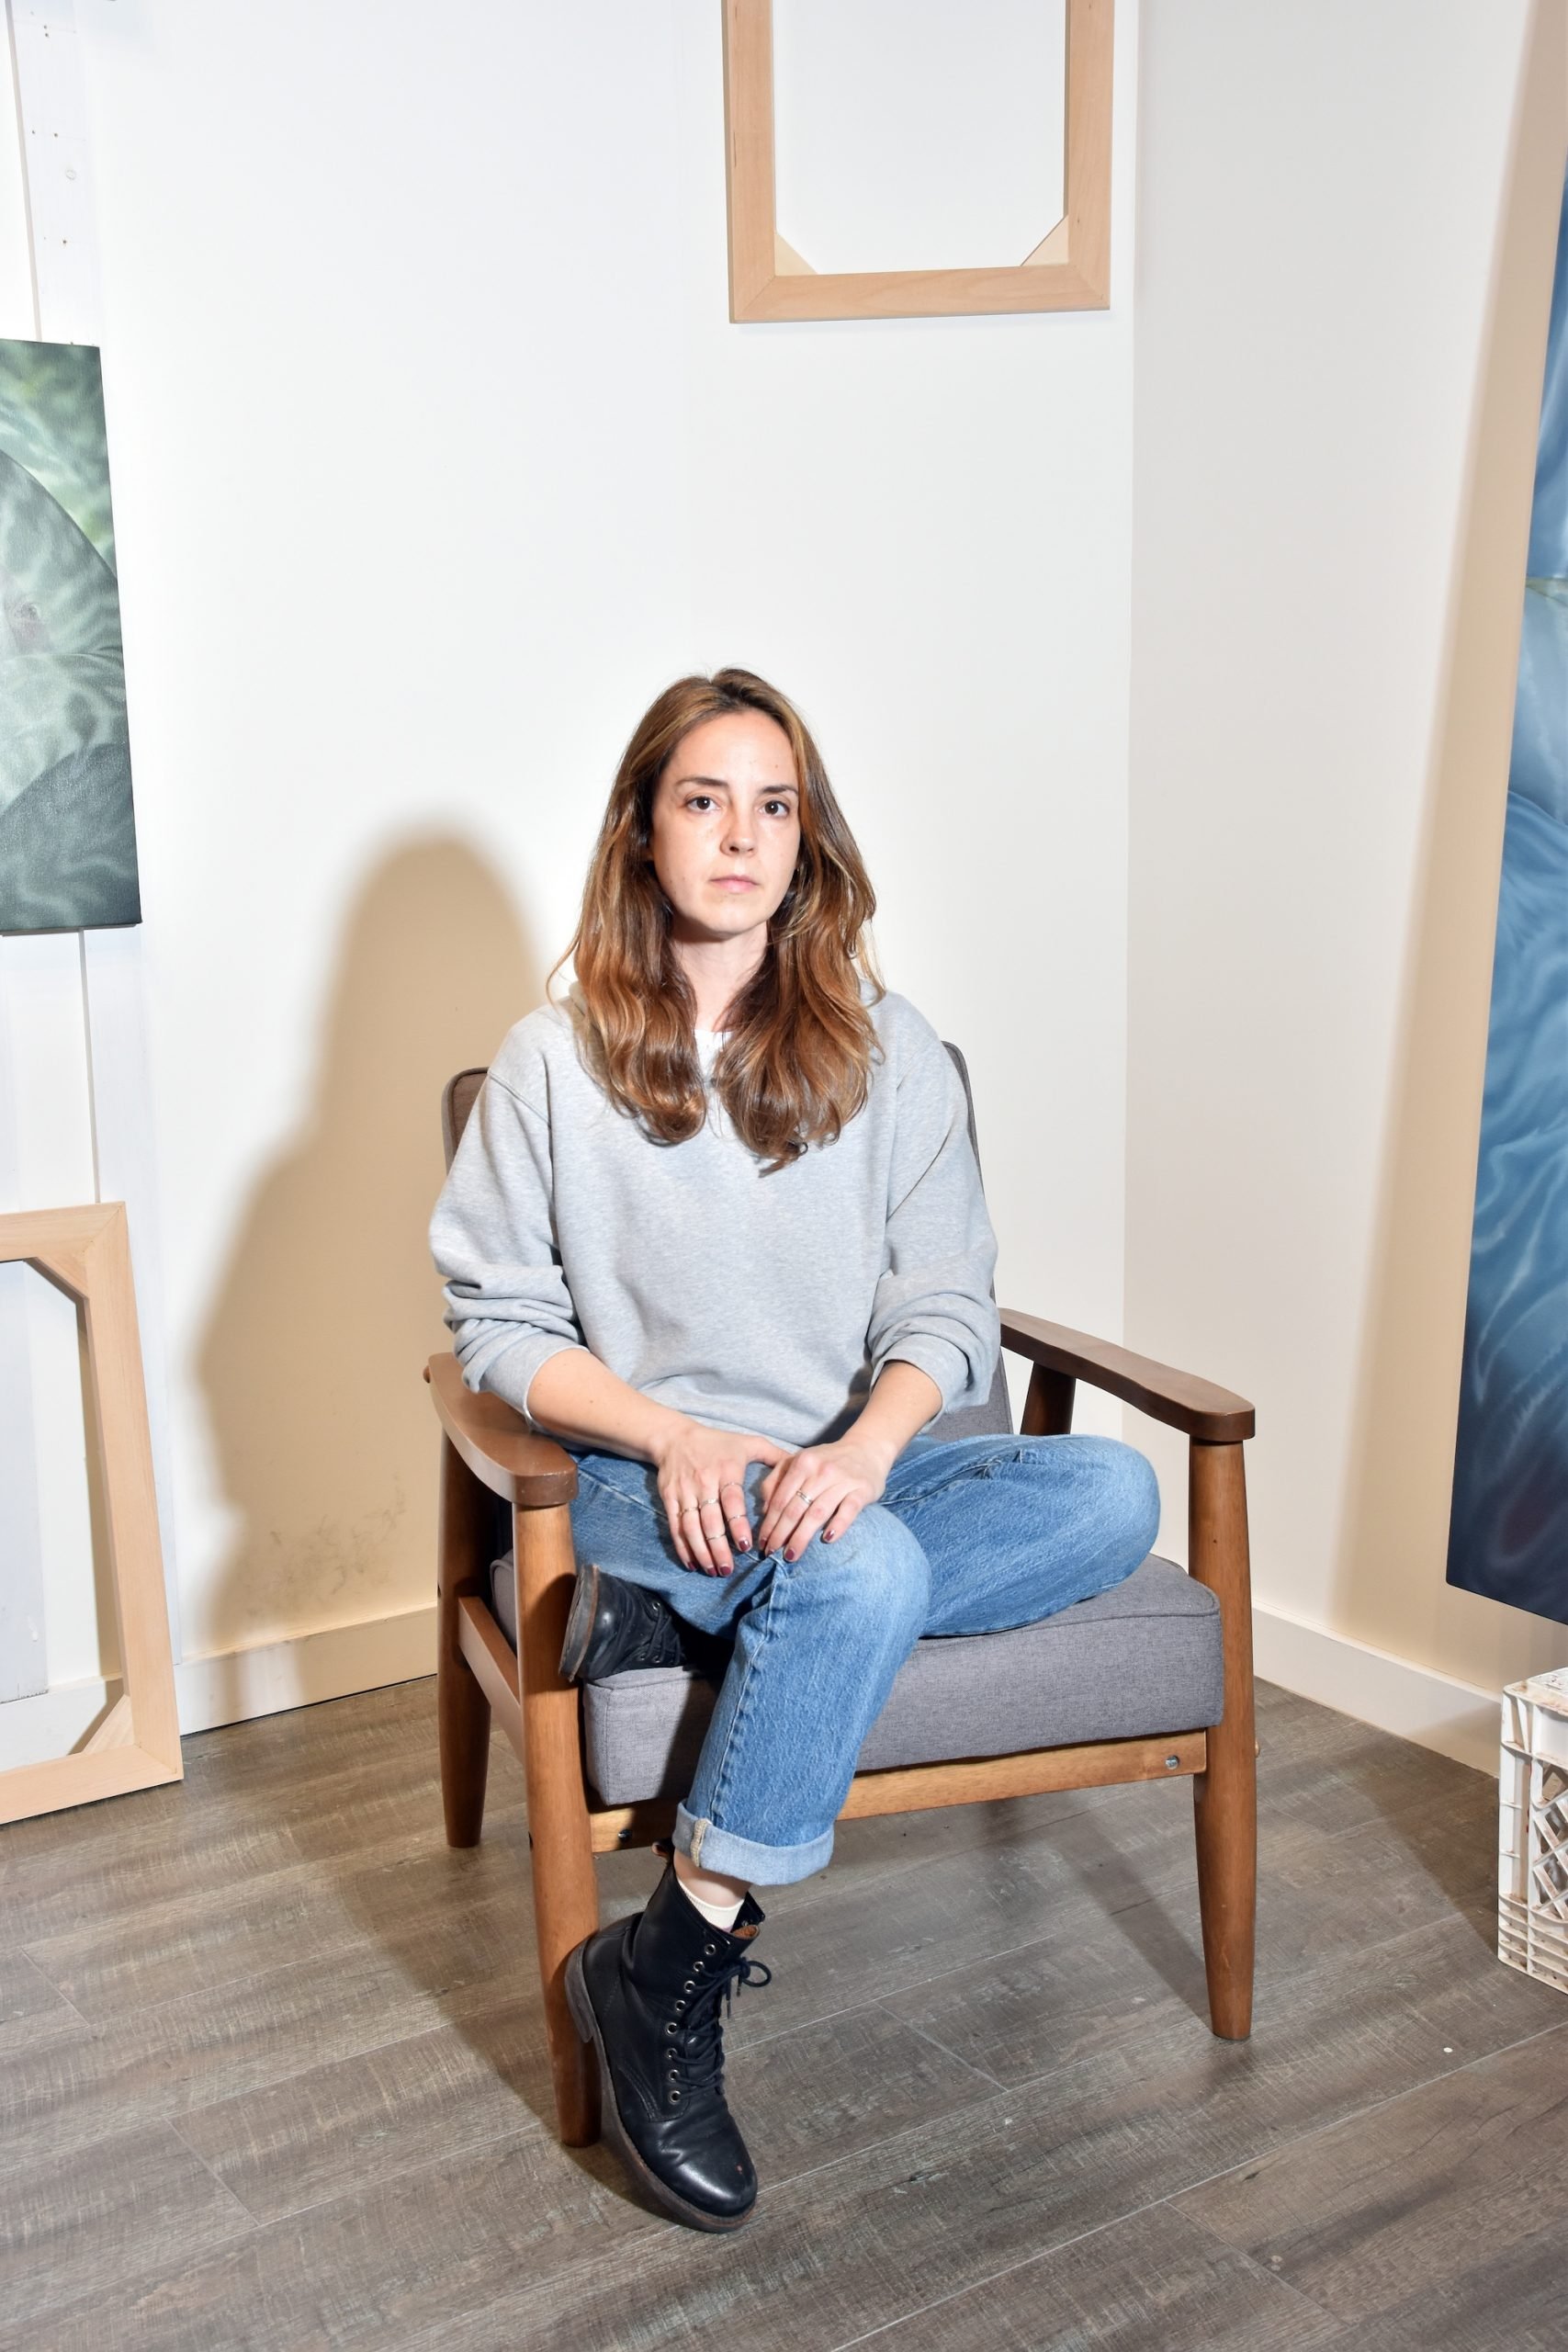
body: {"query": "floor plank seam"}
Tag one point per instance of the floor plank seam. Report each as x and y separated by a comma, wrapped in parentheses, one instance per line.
(366, 1860)
(916, 1984)
(1374, 2107)
(58, 1994)
(738, 2049)
(1351, 2115)
(988, 1960)
(234, 2195)
(591, 2266)
(912, 2131)
(1302, 2294)
(923, 2033)
(1051, 2253)
(16, 2162)
(331, 1868)
(173, 2001)
(507, 1993)
(353, 2057)
(383, 2179)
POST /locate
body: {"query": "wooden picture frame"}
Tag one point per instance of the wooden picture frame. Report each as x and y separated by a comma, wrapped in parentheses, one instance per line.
(1068, 270)
(86, 1253)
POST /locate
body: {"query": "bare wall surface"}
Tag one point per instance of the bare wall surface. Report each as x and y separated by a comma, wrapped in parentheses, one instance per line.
(1343, 283)
(435, 455)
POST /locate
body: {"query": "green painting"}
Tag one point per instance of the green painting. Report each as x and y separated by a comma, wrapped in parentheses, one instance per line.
(67, 833)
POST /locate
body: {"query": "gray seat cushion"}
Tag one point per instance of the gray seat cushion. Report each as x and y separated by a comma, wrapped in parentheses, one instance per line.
(1139, 1660)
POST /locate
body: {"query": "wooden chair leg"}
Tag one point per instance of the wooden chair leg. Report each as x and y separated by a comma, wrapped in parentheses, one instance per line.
(1048, 1405)
(566, 1892)
(1226, 1795)
(462, 1709)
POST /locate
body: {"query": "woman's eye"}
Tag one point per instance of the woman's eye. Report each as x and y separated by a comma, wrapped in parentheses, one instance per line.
(705, 800)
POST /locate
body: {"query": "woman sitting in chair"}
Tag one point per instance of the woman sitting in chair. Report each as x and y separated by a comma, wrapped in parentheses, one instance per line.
(716, 1223)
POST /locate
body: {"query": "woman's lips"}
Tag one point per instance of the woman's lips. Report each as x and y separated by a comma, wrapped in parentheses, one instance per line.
(733, 882)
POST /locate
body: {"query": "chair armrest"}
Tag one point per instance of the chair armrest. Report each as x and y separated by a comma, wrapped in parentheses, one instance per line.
(497, 1443)
(1216, 1416)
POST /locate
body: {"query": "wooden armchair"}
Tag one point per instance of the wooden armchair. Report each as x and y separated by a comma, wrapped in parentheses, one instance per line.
(490, 1450)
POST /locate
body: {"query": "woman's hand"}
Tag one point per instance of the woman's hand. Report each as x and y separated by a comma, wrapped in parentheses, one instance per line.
(702, 1485)
(821, 1486)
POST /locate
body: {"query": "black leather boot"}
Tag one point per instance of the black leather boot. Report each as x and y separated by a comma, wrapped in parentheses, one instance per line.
(614, 1625)
(644, 1995)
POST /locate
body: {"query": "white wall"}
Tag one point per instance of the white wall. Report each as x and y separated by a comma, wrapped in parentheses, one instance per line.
(1346, 220)
(435, 455)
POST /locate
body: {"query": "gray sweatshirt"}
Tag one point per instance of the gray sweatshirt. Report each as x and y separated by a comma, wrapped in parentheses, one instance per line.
(745, 1300)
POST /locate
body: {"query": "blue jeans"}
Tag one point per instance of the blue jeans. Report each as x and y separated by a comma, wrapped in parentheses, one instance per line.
(972, 1535)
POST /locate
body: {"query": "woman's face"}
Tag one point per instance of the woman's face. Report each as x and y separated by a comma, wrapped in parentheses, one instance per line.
(727, 826)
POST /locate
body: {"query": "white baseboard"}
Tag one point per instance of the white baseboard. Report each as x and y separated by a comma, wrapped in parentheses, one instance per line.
(236, 1684)
(1415, 1702)
(1433, 1710)
(233, 1684)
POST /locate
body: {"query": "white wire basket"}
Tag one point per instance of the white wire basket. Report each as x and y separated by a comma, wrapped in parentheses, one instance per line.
(1532, 1878)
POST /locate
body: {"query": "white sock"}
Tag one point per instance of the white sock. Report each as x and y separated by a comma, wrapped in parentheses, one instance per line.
(718, 1915)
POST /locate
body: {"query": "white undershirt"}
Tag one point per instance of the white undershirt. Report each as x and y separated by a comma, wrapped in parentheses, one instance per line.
(708, 1042)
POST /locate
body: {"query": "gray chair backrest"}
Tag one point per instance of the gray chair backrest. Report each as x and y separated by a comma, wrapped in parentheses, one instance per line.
(994, 1418)
(457, 1100)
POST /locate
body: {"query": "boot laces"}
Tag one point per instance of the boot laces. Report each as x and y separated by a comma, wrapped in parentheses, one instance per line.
(696, 2049)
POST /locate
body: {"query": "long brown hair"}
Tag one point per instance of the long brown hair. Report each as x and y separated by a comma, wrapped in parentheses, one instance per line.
(796, 1065)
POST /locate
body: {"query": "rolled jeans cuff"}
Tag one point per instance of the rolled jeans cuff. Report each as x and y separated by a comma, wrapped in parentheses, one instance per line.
(731, 1857)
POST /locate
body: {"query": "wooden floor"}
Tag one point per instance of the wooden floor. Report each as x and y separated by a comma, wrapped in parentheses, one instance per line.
(270, 2076)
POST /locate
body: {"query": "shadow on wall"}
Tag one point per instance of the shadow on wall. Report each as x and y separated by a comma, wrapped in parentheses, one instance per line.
(1393, 1539)
(330, 1306)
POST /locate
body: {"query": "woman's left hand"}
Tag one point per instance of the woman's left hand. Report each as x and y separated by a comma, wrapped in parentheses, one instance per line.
(821, 1486)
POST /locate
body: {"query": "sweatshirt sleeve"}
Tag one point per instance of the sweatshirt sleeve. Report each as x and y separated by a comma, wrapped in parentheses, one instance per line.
(492, 1237)
(934, 1306)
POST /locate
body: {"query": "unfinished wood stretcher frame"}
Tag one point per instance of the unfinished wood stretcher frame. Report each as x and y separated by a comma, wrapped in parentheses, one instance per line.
(1068, 270)
(86, 1251)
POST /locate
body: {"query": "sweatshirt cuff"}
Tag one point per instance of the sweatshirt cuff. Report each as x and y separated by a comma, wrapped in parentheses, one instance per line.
(510, 1375)
(941, 1360)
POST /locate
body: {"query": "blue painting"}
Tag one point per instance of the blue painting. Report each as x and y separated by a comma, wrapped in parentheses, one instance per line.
(67, 833)
(1509, 1531)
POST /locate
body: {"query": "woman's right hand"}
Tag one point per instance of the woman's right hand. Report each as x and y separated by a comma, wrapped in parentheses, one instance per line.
(702, 1476)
